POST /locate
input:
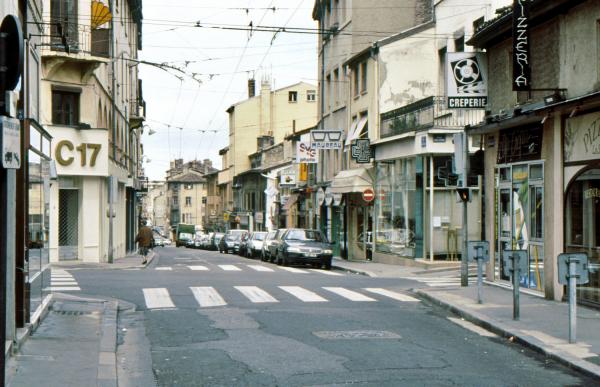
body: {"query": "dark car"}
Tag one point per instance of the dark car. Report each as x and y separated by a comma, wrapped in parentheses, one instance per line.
(275, 242)
(264, 253)
(303, 246)
(230, 243)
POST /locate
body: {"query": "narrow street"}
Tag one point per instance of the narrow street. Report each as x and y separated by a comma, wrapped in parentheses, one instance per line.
(204, 318)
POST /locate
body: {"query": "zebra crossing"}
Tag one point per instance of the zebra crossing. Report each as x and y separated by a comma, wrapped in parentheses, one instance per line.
(208, 296)
(242, 267)
(62, 281)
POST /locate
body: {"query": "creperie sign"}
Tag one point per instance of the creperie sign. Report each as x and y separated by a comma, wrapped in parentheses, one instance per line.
(65, 153)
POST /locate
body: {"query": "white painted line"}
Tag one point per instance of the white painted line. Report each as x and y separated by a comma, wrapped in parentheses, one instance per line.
(293, 270)
(390, 294)
(328, 272)
(63, 288)
(444, 284)
(302, 294)
(260, 268)
(230, 268)
(255, 294)
(59, 283)
(61, 276)
(164, 268)
(207, 296)
(157, 298)
(349, 294)
(198, 268)
(472, 327)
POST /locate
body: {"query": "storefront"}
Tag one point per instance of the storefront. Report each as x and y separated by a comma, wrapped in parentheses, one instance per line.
(582, 203)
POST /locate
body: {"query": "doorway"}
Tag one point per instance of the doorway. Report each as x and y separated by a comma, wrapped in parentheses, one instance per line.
(520, 223)
(68, 224)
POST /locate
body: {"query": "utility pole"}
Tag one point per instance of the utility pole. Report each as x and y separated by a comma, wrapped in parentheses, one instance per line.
(464, 266)
(111, 180)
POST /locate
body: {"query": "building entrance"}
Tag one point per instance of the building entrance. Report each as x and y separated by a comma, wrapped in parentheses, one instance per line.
(68, 224)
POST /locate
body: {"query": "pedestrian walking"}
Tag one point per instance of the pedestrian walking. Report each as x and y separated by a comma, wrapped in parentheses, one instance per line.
(144, 239)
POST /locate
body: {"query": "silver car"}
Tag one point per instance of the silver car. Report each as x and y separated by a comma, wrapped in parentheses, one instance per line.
(264, 254)
(255, 243)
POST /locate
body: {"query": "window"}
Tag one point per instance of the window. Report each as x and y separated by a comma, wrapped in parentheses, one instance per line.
(363, 77)
(327, 93)
(293, 96)
(188, 201)
(189, 186)
(355, 78)
(311, 95)
(336, 87)
(63, 15)
(65, 107)
(459, 44)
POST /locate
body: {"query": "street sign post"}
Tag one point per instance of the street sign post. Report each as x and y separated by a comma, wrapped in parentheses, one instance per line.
(515, 263)
(479, 251)
(368, 195)
(573, 270)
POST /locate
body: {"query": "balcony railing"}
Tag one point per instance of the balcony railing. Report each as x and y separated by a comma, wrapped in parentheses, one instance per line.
(74, 38)
(427, 113)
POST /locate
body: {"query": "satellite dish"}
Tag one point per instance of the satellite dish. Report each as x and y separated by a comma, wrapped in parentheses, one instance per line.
(11, 33)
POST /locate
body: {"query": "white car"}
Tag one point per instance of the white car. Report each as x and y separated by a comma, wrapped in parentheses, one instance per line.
(255, 244)
(167, 241)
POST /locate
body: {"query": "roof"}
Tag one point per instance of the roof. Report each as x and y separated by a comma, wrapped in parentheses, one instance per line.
(498, 29)
(189, 177)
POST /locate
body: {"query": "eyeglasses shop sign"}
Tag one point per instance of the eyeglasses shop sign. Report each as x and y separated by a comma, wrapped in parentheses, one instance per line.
(466, 80)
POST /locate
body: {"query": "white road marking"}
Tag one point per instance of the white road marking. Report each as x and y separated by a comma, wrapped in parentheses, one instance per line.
(62, 288)
(207, 296)
(157, 298)
(349, 294)
(328, 272)
(59, 283)
(472, 327)
(260, 268)
(302, 294)
(293, 270)
(167, 268)
(198, 268)
(255, 294)
(230, 268)
(393, 295)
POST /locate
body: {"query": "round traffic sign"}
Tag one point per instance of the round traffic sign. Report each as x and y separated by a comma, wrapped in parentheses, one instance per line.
(13, 35)
(368, 194)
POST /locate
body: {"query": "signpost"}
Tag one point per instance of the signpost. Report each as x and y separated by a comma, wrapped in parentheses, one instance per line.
(573, 270)
(479, 251)
(368, 195)
(11, 143)
(515, 263)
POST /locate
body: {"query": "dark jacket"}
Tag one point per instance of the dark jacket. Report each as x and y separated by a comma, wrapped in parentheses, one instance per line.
(145, 237)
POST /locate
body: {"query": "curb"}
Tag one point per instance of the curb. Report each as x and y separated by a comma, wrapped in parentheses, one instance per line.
(531, 342)
(354, 271)
(107, 359)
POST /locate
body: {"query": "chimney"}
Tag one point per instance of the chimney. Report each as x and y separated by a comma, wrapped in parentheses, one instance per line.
(207, 165)
(251, 87)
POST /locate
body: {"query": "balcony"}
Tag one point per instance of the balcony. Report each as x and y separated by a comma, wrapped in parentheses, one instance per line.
(430, 112)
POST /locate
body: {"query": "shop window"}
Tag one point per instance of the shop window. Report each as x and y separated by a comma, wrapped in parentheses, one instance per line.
(583, 228)
(65, 107)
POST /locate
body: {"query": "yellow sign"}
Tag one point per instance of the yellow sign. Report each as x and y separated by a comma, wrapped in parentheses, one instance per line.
(81, 149)
(226, 217)
(303, 172)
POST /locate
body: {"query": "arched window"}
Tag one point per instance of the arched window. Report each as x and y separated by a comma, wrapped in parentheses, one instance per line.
(582, 228)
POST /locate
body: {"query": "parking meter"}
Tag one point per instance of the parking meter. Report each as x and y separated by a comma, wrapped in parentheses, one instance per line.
(479, 251)
(515, 262)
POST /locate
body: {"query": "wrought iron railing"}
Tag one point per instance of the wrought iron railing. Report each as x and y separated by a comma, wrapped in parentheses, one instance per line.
(73, 38)
(427, 113)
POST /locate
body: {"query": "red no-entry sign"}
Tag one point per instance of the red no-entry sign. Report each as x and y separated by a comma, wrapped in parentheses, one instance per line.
(368, 195)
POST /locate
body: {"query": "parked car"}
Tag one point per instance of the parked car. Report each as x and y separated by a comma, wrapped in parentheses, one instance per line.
(230, 243)
(215, 240)
(244, 243)
(274, 244)
(304, 246)
(189, 243)
(264, 253)
(255, 243)
(198, 241)
(207, 240)
(167, 241)
(159, 241)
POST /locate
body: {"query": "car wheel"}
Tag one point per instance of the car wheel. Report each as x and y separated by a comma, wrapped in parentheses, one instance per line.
(284, 260)
(328, 265)
(278, 260)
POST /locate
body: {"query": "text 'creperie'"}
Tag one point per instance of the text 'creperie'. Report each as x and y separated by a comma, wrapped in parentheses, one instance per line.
(467, 102)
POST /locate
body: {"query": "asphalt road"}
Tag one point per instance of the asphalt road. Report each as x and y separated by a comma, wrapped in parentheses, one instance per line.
(207, 319)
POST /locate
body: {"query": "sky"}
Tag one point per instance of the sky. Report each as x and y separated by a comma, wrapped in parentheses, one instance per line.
(204, 69)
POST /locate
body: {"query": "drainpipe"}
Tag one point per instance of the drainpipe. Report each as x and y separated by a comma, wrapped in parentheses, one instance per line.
(111, 180)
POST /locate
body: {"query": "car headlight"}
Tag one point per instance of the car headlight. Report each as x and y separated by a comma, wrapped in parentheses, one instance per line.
(327, 251)
(293, 249)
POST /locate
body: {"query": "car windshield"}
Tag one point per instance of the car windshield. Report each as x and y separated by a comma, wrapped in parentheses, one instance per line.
(305, 235)
(260, 236)
(185, 235)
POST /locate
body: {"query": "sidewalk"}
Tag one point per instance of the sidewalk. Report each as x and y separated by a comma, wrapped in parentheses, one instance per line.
(75, 344)
(543, 326)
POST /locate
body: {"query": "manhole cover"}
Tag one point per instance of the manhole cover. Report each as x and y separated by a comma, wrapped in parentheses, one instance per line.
(355, 335)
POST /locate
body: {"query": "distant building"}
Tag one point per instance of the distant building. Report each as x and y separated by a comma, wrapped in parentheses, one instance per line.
(187, 192)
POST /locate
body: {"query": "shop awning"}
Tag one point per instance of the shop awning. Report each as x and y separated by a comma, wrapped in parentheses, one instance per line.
(292, 199)
(355, 130)
(351, 180)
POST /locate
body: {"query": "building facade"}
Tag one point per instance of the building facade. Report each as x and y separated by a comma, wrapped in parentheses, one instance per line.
(541, 159)
(91, 104)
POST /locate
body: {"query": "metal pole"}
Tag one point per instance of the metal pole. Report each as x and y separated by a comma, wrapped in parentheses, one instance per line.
(515, 274)
(114, 136)
(479, 279)
(464, 267)
(431, 174)
(572, 301)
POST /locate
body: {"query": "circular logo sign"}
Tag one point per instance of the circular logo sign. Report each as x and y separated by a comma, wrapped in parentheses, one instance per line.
(368, 195)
